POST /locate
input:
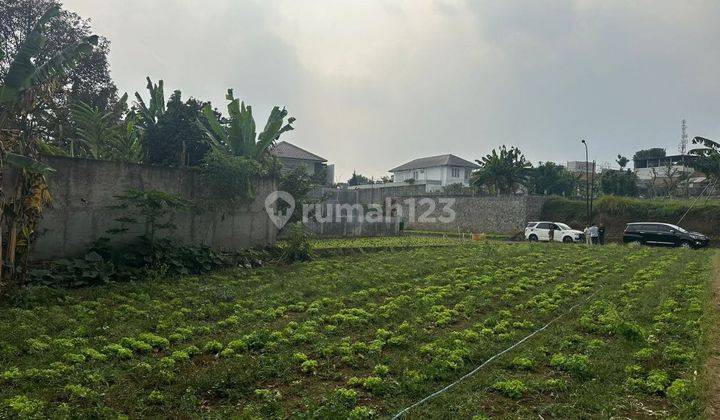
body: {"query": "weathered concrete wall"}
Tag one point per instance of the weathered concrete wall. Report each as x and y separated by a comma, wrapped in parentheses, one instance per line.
(83, 190)
(352, 227)
(352, 195)
(498, 214)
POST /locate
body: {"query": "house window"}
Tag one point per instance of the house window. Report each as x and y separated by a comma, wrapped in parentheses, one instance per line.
(467, 173)
(415, 175)
(456, 172)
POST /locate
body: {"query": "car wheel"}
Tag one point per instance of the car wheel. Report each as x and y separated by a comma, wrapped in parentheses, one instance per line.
(685, 244)
(532, 238)
(568, 240)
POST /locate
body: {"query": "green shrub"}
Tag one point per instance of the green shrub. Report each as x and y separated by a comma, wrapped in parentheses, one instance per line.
(297, 245)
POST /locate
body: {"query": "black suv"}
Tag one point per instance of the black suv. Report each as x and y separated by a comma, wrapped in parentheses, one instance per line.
(663, 234)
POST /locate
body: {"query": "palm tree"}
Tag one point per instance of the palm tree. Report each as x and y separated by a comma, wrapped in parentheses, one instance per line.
(238, 136)
(503, 172)
(27, 81)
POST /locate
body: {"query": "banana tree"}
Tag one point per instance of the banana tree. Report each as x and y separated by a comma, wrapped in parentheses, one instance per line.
(150, 113)
(27, 81)
(238, 136)
(709, 157)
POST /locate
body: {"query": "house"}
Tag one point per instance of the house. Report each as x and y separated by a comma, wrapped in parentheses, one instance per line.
(293, 157)
(440, 170)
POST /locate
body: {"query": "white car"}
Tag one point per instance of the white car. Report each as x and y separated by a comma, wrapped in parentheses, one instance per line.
(540, 231)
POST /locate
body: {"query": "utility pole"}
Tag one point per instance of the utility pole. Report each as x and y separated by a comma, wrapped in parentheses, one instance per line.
(592, 190)
(587, 182)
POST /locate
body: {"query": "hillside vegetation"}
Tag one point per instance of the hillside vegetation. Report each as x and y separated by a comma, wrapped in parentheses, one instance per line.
(614, 212)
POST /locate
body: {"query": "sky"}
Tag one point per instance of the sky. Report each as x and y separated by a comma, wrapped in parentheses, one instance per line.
(376, 83)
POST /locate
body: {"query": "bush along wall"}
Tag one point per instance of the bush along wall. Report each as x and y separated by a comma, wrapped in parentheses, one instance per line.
(614, 212)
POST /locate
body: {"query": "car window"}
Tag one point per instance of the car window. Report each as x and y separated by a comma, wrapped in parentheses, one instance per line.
(632, 228)
(543, 226)
(650, 228)
(562, 226)
(531, 224)
(664, 228)
(678, 228)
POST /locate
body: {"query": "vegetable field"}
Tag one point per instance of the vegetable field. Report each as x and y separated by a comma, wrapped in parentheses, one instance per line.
(367, 335)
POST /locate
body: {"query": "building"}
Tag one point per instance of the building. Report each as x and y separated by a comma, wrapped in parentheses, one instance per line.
(440, 170)
(579, 167)
(293, 157)
(663, 167)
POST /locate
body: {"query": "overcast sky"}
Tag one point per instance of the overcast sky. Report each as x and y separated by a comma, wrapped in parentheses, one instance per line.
(376, 83)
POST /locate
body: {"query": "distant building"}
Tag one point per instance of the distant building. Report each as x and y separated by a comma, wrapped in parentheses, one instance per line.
(579, 167)
(440, 170)
(660, 167)
(293, 157)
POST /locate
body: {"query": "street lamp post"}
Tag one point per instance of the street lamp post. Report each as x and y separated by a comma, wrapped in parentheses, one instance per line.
(587, 182)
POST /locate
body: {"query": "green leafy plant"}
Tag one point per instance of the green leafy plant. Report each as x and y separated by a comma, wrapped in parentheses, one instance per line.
(513, 388)
(297, 245)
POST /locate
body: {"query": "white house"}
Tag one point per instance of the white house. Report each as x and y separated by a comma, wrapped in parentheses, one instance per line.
(440, 170)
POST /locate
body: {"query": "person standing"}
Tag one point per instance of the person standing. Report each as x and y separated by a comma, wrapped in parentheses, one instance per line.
(551, 233)
(587, 235)
(601, 234)
(594, 234)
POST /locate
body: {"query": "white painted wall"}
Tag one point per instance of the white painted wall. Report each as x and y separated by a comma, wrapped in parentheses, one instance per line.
(443, 174)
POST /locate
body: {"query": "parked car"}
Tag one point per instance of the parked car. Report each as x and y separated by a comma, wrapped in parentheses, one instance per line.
(663, 234)
(540, 231)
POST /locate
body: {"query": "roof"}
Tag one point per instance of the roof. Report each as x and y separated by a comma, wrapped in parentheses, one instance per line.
(284, 149)
(429, 162)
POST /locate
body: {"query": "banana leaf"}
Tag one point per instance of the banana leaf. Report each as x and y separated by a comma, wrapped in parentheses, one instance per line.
(28, 164)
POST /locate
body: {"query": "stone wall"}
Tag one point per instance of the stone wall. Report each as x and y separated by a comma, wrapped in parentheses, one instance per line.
(83, 190)
(499, 214)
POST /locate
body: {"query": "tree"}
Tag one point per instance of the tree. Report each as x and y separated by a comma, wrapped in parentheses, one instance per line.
(503, 172)
(149, 114)
(622, 161)
(26, 84)
(709, 157)
(357, 179)
(671, 178)
(238, 135)
(88, 81)
(622, 182)
(652, 153)
(176, 139)
(551, 178)
(298, 183)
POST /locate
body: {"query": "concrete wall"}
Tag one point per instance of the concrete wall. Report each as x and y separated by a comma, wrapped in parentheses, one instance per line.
(500, 214)
(83, 190)
(375, 194)
(352, 227)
